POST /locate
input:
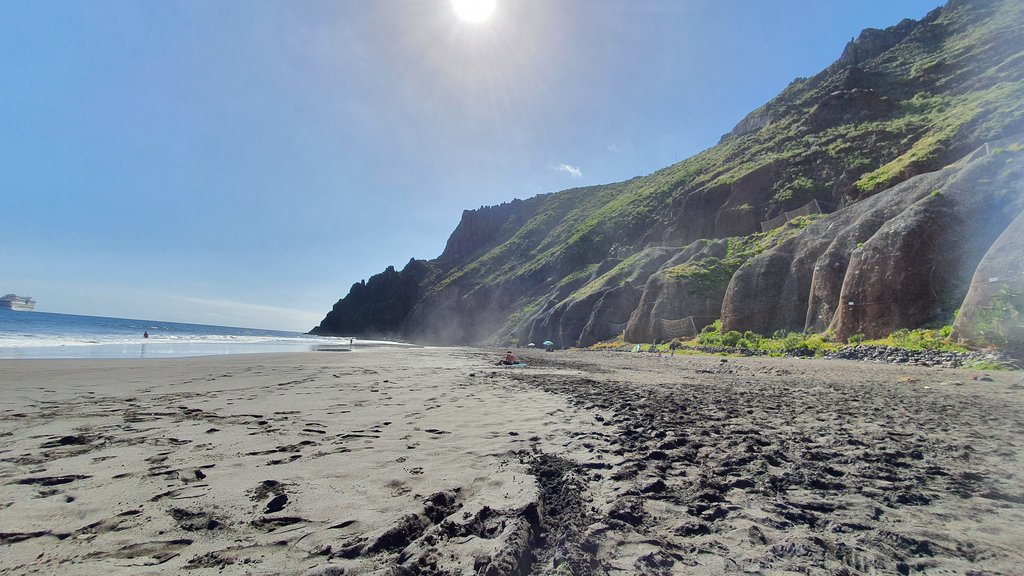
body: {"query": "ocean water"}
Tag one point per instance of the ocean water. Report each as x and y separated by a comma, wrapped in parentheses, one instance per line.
(47, 335)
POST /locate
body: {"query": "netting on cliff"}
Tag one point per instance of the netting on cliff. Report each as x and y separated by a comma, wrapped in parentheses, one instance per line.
(678, 328)
(811, 207)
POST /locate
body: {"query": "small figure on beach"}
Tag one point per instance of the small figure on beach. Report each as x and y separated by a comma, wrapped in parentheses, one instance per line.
(508, 360)
(145, 333)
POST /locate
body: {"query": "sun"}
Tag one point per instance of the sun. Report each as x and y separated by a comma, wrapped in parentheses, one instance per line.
(474, 11)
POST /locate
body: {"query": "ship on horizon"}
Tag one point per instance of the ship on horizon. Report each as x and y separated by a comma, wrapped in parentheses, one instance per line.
(15, 302)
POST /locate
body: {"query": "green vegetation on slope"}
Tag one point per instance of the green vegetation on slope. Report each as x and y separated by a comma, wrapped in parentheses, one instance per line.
(711, 275)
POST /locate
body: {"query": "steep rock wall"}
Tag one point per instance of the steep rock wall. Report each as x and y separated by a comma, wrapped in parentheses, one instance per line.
(379, 306)
(993, 311)
(482, 229)
(667, 297)
(916, 269)
(899, 259)
(583, 314)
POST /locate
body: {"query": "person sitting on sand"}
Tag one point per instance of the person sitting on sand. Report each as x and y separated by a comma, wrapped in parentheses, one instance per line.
(508, 360)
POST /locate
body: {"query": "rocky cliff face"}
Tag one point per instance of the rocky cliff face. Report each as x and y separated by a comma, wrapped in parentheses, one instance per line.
(486, 227)
(872, 139)
(901, 258)
(380, 306)
(992, 313)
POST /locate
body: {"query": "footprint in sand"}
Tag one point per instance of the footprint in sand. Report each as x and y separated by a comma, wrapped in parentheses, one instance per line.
(276, 504)
(195, 521)
(159, 551)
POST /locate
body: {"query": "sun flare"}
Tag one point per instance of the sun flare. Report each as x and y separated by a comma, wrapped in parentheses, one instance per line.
(474, 11)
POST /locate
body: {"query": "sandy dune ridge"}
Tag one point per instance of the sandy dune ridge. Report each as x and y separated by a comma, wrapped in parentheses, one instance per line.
(434, 461)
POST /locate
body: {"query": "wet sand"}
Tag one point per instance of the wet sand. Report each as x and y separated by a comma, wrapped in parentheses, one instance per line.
(434, 461)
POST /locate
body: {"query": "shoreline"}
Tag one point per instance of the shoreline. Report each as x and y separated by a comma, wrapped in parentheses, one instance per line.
(157, 348)
(312, 463)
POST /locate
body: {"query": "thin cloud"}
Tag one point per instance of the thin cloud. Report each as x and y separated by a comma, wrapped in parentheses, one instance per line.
(573, 171)
(232, 313)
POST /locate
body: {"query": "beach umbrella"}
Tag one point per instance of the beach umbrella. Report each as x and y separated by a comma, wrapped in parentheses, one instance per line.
(531, 345)
(549, 343)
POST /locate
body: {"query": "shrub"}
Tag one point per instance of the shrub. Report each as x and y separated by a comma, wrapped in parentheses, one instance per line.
(793, 341)
(816, 342)
(901, 337)
(730, 338)
(855, 339)
(711, 335)
(921, 339)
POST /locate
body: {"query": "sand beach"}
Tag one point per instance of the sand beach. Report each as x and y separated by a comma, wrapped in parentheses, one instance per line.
(435, 461)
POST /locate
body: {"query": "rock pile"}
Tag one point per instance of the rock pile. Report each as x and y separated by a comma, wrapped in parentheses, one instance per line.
(883, 354)
(893, 355)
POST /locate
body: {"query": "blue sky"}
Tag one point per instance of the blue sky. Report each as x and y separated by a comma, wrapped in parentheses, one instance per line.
(243, 162)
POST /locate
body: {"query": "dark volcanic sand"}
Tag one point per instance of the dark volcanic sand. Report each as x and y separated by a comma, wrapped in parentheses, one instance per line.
(436, 462)
(761, 466)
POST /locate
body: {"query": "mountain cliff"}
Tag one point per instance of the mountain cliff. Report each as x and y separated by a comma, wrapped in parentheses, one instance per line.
(861, 200)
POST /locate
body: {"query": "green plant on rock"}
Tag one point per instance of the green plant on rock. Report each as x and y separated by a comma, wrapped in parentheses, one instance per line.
(711, 275)
(731, 338)
(711, 335)
(920, 339)
(705, 276)
(793, 341)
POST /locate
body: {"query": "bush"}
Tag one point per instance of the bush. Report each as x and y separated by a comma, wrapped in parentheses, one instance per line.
(817, 342)
(793, 341)
(731, 338)
(773, 346)
(921, 339)
(713, 328)
(855, 339)
(711, 335)
(901, 337)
